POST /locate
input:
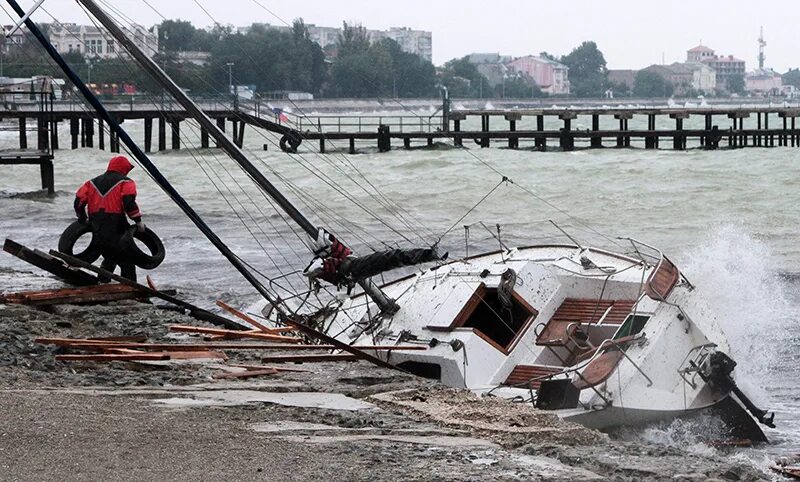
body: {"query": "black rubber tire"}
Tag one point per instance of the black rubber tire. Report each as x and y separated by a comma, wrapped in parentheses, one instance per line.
(70, 236)
(139, 257)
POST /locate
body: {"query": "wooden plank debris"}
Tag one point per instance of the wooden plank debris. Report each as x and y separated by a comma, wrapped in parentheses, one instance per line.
(50, 264)
(114, 357)
(318, 335)
(327, 357)
(120, 339)
(175, 355)
(193, 310)
(235, 334)
(251, 320)
(91, 343)
(75, 296)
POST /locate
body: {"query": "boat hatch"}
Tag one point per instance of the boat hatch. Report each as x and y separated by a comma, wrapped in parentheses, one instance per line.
(499, 325)
(577, 311)
(632, 326)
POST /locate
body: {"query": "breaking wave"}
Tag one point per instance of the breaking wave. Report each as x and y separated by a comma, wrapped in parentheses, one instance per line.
(755, 305)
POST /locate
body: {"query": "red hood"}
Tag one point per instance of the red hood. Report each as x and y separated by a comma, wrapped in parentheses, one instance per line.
(120, 164)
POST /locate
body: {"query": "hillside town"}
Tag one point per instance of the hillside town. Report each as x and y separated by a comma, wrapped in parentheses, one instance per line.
(335, 50)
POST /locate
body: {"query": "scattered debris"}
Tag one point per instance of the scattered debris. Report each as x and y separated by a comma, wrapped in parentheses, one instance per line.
(76, 296)
(236, 334)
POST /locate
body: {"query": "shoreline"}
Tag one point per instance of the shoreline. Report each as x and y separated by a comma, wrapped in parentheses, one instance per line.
(145, 421)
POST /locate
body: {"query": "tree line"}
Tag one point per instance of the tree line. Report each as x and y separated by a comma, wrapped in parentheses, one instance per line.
(288, 60)
(275, 60)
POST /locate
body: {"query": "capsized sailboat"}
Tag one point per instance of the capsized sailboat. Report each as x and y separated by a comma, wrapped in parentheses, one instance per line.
(602, 338)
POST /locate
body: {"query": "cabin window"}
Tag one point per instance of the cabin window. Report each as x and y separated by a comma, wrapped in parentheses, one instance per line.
(494, 322)
(632, 325)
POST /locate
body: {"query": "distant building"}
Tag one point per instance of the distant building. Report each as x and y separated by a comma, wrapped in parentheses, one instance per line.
(704, 78)
(764, 82)
(724, 67)
(491, 65)
(94, 42)
(417, 42)
(551, 76)
(198, 58)
(15, 39)
(626, 77)
(677, 74)
(701, 53)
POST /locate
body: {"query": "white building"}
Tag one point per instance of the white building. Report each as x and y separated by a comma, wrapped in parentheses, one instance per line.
(704, 77)
(94, 42)
(417, 42)
(15, 39)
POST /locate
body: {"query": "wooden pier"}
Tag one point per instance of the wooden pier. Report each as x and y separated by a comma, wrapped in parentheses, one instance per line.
(714, 128)
(532, 129)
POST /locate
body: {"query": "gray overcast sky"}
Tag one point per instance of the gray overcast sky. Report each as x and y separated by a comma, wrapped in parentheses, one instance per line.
(631, 34)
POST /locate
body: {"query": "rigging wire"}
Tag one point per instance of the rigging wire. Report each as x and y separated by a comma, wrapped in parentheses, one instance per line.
(200, 165)
(392, 207)
(306, 165)
(472, 154)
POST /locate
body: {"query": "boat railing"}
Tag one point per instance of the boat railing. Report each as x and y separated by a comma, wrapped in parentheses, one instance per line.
(703, 351)
(607, 343)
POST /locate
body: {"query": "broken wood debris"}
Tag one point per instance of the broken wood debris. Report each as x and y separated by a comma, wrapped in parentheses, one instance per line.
(114, 357)
(75, 296)
(176, 355)
(93, 343)
(235, 334)
(193, 310)
(253, 321)
(309, 358)
(50, 264)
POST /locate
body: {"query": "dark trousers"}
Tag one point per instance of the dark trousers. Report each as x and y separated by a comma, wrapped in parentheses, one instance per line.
(111, 258)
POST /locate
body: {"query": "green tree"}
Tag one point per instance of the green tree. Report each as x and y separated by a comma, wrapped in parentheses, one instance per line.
(412, 76)
(518, 87)
(270, 59)
(588, 74)
(649, 84)
(463, 79)
(366, 73)
(353, 40)
(182, 36)
(792, 77)
(736, 83)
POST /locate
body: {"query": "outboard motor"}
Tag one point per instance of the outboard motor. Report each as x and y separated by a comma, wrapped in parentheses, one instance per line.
(717, 372)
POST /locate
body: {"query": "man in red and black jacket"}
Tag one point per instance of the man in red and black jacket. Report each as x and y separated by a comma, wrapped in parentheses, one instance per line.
(105, 202)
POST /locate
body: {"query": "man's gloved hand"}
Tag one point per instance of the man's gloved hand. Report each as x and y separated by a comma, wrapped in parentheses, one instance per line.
(140, 227)
(322, 244)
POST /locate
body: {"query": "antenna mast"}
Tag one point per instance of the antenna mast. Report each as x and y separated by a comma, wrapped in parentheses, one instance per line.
(761, 55)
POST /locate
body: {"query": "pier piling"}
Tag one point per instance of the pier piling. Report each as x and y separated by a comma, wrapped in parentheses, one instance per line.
(148, 134)
(101, 135)
(23, 133)
(176, 134)
(162, 134)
